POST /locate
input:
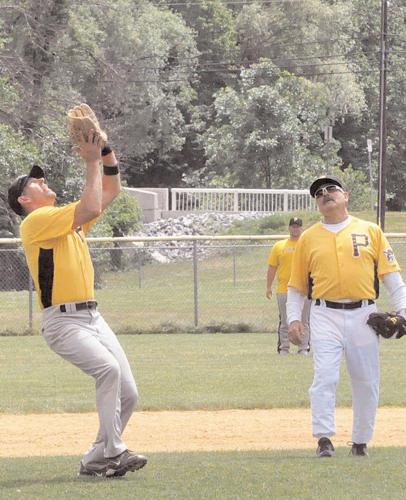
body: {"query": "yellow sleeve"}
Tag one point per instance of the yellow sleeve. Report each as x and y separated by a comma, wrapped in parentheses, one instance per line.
(88, 226)
(299, 275)
(386, 259)
(273, 259)
(48, 223)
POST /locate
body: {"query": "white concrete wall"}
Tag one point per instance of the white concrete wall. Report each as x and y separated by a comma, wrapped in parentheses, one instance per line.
(163, 196)
(148, 201)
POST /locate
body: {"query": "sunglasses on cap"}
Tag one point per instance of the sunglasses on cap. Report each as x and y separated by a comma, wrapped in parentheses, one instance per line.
(327, 189)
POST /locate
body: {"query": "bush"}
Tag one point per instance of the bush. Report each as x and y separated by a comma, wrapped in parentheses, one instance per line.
(121, 218)
(357, 183)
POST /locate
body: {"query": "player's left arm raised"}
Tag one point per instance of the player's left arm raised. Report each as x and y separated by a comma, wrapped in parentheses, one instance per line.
(111, 182)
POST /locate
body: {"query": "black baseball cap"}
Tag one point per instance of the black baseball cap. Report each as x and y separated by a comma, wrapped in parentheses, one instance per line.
(325, 180)
(295, 221)
(17, 187)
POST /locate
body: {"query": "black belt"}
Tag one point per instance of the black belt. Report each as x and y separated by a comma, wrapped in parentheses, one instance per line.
(343, 305)
(79, 306)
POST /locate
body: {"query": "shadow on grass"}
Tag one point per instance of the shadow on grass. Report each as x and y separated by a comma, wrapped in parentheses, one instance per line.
(74, 479)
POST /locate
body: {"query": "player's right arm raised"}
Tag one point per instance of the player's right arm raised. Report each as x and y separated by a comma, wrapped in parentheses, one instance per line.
(90, 204)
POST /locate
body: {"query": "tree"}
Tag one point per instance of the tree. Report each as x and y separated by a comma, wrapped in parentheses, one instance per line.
(126, 60)
(142, 62)
(268, 134)
(321, 42)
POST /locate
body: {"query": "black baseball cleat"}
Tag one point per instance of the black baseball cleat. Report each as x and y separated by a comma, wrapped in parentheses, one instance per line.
(325, 448)
(123, 463)
(359, 450)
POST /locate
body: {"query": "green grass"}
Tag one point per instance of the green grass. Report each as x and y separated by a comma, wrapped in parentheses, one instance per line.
(231, 290)
(167, 295)
(189, 372)
(291, 474)
(277, 224)
(201, 371)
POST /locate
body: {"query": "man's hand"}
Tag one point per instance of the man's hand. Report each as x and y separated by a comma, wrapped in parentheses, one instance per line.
(89, 148)
(269, 293)
(296, 332)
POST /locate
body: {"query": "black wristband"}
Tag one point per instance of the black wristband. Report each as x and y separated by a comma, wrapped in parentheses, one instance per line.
(110, 170)
(106, 150)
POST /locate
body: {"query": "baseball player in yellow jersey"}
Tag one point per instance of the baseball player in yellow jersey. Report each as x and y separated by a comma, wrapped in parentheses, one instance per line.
(280, 265)
(54, 240)
(338, 263)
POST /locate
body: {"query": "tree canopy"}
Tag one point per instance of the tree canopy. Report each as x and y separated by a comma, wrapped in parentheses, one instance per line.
(204, 92)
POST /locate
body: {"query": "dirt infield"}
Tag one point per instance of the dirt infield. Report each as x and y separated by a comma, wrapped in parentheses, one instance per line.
(170, 431)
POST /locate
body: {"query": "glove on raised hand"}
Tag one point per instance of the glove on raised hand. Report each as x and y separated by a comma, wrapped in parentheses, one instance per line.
(82, 119)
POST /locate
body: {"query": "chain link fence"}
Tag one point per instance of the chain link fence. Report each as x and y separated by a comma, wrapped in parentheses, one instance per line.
(164, 285)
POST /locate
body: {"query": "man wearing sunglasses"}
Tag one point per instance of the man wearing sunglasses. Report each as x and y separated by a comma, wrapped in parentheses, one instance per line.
(54, 240)
(338, 263)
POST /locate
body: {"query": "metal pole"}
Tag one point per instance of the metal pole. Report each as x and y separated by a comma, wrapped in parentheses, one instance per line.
(140, 272)
(30, 302)
(195, 285)
(369, 147)
(234, 269)
(382, 117)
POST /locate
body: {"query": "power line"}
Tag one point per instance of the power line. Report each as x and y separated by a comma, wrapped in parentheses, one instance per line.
(196, 80)
(230, 2)
(273, 60)
(214, 66)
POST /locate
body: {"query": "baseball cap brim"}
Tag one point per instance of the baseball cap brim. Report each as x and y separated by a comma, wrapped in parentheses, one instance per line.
(324, 181)
(17, 187)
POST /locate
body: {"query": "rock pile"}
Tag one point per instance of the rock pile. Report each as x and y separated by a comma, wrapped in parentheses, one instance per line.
(192, 224)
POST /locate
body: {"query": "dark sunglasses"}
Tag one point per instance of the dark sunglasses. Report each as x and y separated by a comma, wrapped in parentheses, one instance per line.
(327, 189)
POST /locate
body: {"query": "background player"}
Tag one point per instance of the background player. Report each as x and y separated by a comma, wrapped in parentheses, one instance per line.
(338, 262)
(280, 265)
(60, 265)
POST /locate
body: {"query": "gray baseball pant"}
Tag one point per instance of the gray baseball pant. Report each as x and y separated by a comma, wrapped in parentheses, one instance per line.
(283, 330)
(84, 339)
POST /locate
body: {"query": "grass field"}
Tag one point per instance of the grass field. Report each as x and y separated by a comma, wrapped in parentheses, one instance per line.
(197, 371)
(182, 372)
(223, 475)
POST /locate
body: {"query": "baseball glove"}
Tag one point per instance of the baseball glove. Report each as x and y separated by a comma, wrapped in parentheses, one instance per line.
(81, 119)
(388, 325)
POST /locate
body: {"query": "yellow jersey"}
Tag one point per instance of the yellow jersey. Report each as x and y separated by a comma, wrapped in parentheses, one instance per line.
(58, 256)
(281, 257)
(343, 265)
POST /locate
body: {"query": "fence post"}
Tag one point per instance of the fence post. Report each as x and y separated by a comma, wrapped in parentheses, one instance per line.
(285, 202)
(173, 200)
(236, 209)
(195, 285)
(234, 269)
(140, 273)
(30, 302)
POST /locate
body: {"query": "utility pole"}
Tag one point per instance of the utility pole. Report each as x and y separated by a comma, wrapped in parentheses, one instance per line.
(371, 187)
(382, 116)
